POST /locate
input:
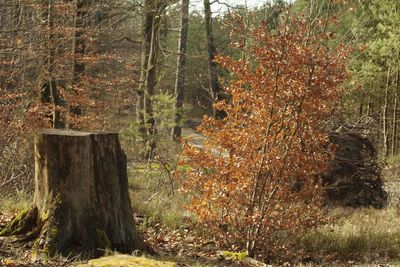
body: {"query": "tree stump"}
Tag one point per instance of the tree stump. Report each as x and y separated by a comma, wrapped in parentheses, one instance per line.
(81, 195)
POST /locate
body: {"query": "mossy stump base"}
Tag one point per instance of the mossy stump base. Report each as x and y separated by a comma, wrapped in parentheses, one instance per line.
(81, 203)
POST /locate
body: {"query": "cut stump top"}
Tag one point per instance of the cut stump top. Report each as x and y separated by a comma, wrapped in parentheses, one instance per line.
(72, 132)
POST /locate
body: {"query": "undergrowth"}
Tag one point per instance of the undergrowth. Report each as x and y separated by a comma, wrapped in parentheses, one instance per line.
(360, 235)
(363, 235)
(154, 191)
(14, 204)
(154, 195)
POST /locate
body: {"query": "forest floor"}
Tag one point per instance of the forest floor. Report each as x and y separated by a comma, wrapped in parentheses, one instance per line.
(359, 237)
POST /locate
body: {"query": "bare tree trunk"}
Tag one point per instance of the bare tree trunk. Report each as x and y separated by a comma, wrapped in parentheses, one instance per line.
(52, 83)
(361, 106)
(147, 28)
(212, 66)
(78, 50)
(180, 70)
(394, 127)
(148, 77)
(151, 82)
(384, 117)
(369, 106)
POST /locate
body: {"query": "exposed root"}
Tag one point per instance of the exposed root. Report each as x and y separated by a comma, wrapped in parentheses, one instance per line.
(354, 175)
(22, 224)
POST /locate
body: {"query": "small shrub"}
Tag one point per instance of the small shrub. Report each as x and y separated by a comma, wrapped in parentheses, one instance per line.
(255, 178)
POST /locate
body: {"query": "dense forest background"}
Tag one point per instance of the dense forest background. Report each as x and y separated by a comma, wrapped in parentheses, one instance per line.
(113, 65)
(152, 69)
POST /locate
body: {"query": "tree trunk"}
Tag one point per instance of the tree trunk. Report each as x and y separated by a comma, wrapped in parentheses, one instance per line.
(78, 50)
(180, 70)
(395, 127)
(52, 84)
(81, 195)
(212, 66)
(361, 105)
(148, 77)
(385, 128)
(394, 119)
(147, 26)
(150, 85)
(370, 107)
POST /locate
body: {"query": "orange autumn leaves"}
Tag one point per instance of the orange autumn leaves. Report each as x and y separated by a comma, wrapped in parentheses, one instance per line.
(258, 172)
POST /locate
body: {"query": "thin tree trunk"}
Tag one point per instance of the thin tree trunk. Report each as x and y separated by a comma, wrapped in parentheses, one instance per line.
(52, 84)
(394, 128)
(361, 106)
(384, 116)
(78, 50)
(370, 108)
(147, 27)
(148, 79)
(180, 70)
(151, 82)
(212, 66)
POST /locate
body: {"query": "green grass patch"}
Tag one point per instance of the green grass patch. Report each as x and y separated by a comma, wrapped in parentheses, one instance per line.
(15, 204)
(394, 160)
(155, 195)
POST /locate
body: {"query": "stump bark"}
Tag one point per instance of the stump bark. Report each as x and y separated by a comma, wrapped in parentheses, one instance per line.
(81, 195)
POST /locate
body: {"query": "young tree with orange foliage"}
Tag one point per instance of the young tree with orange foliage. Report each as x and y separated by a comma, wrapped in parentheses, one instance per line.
(258, 172)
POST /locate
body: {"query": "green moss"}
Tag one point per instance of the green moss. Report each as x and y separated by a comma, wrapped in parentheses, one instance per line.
(52, 231)
(43, 250)
(15, 225)
(184, 168)
(45, 215)
(103, 240)
(146, 166)
(127, 261)
(237, 256)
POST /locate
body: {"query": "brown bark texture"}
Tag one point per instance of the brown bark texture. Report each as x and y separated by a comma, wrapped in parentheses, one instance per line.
(81, 195)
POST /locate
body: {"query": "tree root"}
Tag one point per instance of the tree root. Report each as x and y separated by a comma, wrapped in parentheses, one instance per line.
(25, 227)
(23, 223)
(43, 232)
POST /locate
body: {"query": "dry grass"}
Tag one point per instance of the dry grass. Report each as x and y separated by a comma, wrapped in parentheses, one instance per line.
(361, 235)
(155, 195)
(11, 205)
(153, 188)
